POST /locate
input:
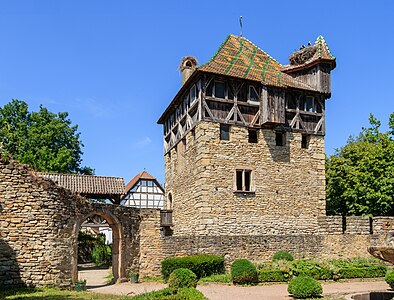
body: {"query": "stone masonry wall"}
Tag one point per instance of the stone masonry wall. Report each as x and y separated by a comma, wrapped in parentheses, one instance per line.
(328, 242)
(289, 183)
(39, 225)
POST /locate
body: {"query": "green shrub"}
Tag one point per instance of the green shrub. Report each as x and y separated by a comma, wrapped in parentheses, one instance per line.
(390, 279)
(282, 255)
(355, 262)
(273, 276)
(243, 271)
(363, 272)
(168, 294)
(202, 265)
(181, 278)
(102, 253)
(311, 268)
(304, 287)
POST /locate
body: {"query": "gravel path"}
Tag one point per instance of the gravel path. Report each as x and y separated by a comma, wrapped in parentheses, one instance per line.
(216, 291)
(96, 282)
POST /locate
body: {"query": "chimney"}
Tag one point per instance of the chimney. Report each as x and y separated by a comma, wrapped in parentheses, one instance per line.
(187, 67)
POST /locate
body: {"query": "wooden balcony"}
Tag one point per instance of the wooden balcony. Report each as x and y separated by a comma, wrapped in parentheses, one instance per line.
(166, 218)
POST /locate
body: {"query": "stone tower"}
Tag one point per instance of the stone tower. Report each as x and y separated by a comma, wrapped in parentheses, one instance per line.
(244, 142)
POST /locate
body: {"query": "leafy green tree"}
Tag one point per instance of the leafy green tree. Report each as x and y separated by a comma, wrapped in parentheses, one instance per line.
(43, 140)
(360, 175)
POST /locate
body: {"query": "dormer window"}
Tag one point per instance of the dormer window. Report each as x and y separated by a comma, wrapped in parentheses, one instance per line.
(253, 95)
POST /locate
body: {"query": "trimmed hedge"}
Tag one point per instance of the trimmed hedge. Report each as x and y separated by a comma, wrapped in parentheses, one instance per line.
(273, 276)
(181, 278)
(283, 255)
(304, 287)
(243, 271)
(312, 269)
(390, 279)
(363, 272)
(202, 265)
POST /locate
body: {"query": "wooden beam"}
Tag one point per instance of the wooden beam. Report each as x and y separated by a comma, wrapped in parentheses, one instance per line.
(206, 109)
(255, 118)
(241, 116)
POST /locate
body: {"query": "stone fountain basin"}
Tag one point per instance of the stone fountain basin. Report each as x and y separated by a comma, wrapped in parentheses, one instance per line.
(372, 296)
(383, 253)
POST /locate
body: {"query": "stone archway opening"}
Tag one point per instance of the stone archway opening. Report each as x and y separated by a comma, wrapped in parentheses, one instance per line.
(108, 229)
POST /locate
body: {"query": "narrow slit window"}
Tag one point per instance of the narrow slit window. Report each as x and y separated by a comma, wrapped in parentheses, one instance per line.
(247, 180)
(279, 139)
(253, 136)
(224, 132)
(184, 144)
(305, 141)
(239, 180)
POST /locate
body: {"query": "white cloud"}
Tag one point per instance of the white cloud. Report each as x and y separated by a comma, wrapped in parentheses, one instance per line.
(91, 106)
(144, 142)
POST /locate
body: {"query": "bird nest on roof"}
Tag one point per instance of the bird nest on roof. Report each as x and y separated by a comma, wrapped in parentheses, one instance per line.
(302, 56)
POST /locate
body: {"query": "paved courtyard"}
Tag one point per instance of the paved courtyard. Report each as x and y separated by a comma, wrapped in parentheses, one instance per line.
(96, 283)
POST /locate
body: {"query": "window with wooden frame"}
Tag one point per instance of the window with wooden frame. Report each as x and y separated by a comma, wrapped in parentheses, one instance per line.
(243, 181)
(291, 102)
(224, 132)
(193, 93)
(309, 104)
(219, 89)
(253, 95)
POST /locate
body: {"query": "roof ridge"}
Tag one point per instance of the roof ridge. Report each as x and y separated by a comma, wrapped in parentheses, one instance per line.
(217, 51)
(79, 175)
(321, 41)
(242, 37)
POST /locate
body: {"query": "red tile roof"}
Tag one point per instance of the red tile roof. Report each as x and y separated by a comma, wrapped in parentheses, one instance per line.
(88, 184)
(238, 57)
(141, 176)
(320, 53)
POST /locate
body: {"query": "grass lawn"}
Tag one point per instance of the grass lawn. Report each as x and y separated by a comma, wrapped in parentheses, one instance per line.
(54, 294)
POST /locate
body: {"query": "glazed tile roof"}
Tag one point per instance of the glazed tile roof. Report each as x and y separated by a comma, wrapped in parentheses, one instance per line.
(238, 57)
(141, 176)
(320, 51)
(88, 184)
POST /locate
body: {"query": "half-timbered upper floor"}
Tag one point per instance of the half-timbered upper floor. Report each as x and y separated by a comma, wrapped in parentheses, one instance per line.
(243, 85)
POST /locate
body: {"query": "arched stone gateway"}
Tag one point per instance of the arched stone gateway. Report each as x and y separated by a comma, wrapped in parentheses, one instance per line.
(118, 259)
(39, 226)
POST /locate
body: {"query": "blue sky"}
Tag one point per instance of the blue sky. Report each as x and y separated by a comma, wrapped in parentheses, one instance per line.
(113, 64)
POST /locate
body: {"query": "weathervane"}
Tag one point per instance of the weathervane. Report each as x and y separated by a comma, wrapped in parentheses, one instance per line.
(240, 24)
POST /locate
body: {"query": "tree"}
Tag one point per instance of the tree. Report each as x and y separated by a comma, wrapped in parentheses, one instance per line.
(360, 175)
(44, 140)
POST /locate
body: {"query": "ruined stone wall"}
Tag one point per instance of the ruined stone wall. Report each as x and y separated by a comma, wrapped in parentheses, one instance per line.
(39, 225)
(329, 241)
(289, 183)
